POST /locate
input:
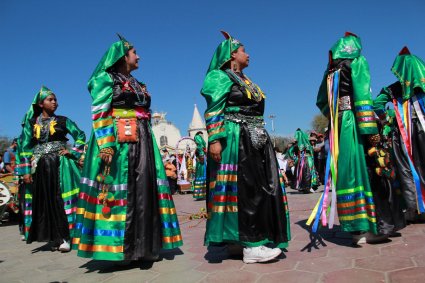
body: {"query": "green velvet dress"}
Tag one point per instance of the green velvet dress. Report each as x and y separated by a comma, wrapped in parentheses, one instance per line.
(199, 184)
(345, 97)
(51, 200)
(246, 199)
(142, 218)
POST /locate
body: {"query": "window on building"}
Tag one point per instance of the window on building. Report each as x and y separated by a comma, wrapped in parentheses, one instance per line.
(163, 141)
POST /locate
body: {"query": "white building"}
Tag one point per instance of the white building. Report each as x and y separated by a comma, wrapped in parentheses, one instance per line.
(166, 133)
(197, 125)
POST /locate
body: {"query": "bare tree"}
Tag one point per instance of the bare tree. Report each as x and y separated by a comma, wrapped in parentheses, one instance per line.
(319, 123)
(281, 142)
(5, 142)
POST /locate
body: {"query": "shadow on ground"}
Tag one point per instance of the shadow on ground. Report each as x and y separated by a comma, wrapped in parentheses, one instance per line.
(316, 240)
(104, 266)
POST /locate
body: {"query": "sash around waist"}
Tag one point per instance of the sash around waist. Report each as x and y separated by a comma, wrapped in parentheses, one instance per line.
(137, 112)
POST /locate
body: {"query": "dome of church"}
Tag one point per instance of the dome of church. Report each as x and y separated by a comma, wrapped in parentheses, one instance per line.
(166, 133)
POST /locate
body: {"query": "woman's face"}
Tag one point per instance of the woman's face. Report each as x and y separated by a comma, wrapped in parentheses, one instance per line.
(49, 104)
(132, 59)
(241, 57)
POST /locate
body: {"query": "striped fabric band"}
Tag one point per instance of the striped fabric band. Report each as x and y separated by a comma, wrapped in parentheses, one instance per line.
(103, 132)
(101, 115)
(103, 107)
(364, 108)
(106, 140)
(214, 122)
(100, 232)
(70, 193)
(100, 248)
(96, 185)
(102, 123)
(210, 114)
(363, 102)
(95, 200)
(162, 182)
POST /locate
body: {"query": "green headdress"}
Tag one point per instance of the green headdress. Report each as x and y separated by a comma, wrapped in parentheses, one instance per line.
(100, 86)
(199, 140)
(303, 141)
(347, 47)
(410, 71)
(34, 109)
(114, 53)
(223, 53)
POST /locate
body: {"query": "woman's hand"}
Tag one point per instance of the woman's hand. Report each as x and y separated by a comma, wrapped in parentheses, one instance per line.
(64, 152)
(80, 162)
(106, 154)
(27, 179)
(215, 151)
(285, 179)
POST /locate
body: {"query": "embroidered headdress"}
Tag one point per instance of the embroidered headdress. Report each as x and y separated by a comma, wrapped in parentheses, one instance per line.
(347, 47)
(410, 71)
(223, 53)
(34, 109)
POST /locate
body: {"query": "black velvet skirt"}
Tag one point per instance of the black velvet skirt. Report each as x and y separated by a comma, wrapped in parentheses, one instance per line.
(389, 204)
(142, 238)
(404, 172)
(49, 221)
(261, 211)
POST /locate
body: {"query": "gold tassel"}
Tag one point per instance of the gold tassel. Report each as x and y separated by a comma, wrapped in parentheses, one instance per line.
(37, 130)
(248, 93)
(52, 127)
(262, 93)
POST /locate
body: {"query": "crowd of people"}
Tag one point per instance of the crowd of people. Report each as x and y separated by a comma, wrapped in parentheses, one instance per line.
(302, 163)
(110, 198)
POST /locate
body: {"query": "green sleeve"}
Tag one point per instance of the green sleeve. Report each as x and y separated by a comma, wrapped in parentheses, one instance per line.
(216, 88)
(26, 152)
(200, 145)
(363, 103)
(79, 138)
(100, 89)
(322, 96)
(18, 156)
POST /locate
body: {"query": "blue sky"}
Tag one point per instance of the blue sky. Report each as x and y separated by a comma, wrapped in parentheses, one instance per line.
(59, 43)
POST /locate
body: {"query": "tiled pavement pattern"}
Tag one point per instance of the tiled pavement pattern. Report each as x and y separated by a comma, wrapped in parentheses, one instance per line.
(326, 257)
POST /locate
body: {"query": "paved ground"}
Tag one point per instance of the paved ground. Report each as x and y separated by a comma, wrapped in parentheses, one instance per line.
(327, 257)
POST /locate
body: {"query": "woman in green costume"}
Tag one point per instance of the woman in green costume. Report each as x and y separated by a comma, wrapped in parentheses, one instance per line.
(199, 186)
(49, 171)
(407, 95)
(246, 200)
(305, 171)
(344, 97)
(125, 207)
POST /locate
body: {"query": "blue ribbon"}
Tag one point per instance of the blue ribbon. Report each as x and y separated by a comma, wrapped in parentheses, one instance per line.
(319, 209)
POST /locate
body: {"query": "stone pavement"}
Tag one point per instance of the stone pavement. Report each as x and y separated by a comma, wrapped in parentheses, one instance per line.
(325, 257)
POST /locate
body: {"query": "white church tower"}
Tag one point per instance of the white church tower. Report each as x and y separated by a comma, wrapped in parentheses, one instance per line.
(197, 125)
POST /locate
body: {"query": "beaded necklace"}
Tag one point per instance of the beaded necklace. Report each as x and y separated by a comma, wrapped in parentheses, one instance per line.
(130, 83)
(253, 91)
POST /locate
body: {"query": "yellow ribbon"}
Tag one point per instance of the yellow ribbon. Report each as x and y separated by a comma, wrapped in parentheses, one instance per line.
(248, 93)
(37, 130)
(52, 130)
